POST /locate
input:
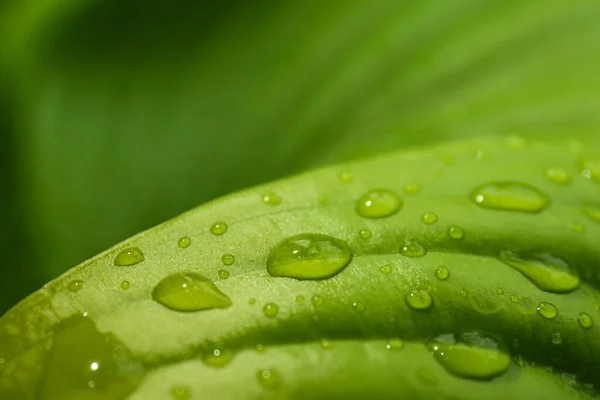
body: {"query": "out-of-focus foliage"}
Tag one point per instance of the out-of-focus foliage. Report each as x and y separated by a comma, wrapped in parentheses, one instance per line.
(120, 114)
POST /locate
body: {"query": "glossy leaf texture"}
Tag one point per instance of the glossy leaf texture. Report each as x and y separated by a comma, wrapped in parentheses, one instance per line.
(479, 303)
(164, 106)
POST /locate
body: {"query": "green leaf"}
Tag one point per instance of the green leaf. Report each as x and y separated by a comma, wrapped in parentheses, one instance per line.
(464, 285)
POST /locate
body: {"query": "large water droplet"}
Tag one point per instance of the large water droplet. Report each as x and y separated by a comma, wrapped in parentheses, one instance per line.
(189, 291)
(473, 355)
(271, 310)
(418, 300)
(429, 218)
(268, 378)
(585, 321)
(378, 203)
(442, 272)
(558, 176)
(546, 271)
(592, 211)
(412, 248)
(184, 242)
(130, 256)
(309, 256)
(510, 196)
(218, 228)
(218, 357)
(75, 286)
(547, 310)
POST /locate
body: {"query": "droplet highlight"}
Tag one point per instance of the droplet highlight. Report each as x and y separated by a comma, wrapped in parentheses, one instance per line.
(189, 291)
(413, 249)
(128, 257)
(418, 300)
(378, 203)
(547, 310)
(510, 196)
(218, 228)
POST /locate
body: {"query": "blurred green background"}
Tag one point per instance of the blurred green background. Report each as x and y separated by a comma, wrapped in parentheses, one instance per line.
(116, 115)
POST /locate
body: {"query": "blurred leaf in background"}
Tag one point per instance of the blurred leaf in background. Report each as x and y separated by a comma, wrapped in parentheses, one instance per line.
(119, 114)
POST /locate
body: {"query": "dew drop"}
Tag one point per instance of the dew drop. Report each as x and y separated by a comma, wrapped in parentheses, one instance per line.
(180, 393)
(218, 358)
(556, 338)
(218, 228)
(413, 249)
(75, 286)
(429, 218)
(464, 293)
(271, 310)
(546, 271)
(326, 344)
(252, 301)
(585, 321)
(592, 211)
(130, 256)
(228, 259)
(378, 203)
(473, 355)
(268, 378)
(386, 269)
(223, 274)
(455, 232)
(547, 310)
(358, 306)
(309, 256)
(510, 196)
(395, 344)
(189, 291)
(590, 169)
(271, 199)
(299, 299)
(558, 176)
(499, 291)
(317, 300)
(411, 188)
(184, 242)
(365, 234)
(442, 272)
(514, 298)
(418, 300)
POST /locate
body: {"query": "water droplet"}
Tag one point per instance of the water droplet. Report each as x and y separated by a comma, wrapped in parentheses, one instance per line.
(271, 310)
(577, 227)
(309, 256)
(585, 320)
(413, 249)
(558, 176)
(299, 299)
(75, 286)
(130, 256)
(317, 300)
(395, 344)
(228, 259)
(473, 356)
(547, 310)
(345, 177)
(378, 203)
(271, 199)
(556, 338)
(464, 293)
(223, 274)
(455, 232)
(218, 358)
(592, 211)
(218, 228)
(514, 298)
(365, 234)
(411, 188)
(499, 291)
(326, 344)
(252, 301)
(418, 300)
(184, 242)
(515, 142)
(180, 393)
(358, 306)
(590, 169)
(426, 377)
(442, 272)
(189, 291)
(268, 378)
(125, 285)
(386, 269)
(510, 196)
(429, 218)
(546, 271)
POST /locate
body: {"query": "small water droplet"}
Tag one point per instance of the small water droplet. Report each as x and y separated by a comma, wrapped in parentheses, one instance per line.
(592, 211)
(189, 291)
(180, 393)
(268, 378)
(590, 169)
(510, 196)
(218, 357)
(365, 234)
(499, 291)
(395, 344)
(411, 188)
(455, 232)
(271, 310)
(358, 306)
(548, 272)
(429, 218)
(184, 242)
(75, 286)
(252, 301)
(271, 199)
(577, 227)
(413, 249)
(556, 338)
(464, 293)
(514, 298)
(418, 300)
(317, 300)
(515, 142)
(474, 355)
(378, 203)
(299, 299)
(386, 269)
(547, 310)
(228, 259)
(326, 344)
(558, 176)
(309, 256)
(345, 177)
(223, 274)
(218, 228)
(585, 321)
(130, 256)
(442, 272)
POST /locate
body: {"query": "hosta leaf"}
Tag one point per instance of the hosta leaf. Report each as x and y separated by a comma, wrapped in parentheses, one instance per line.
(459, 293)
